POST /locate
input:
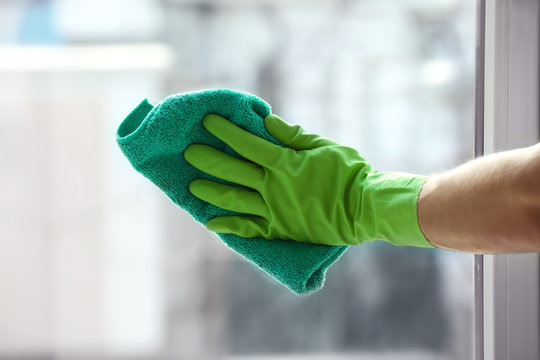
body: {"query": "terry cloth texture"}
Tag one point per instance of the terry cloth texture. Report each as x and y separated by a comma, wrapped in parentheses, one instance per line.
(153, 139)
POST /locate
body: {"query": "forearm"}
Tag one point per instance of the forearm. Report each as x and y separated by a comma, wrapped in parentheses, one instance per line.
(488, 205)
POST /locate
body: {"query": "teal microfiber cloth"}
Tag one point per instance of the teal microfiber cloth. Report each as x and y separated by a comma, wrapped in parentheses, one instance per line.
(153, 139)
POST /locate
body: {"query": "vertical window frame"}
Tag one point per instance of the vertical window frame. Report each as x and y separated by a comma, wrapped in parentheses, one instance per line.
(507, 308)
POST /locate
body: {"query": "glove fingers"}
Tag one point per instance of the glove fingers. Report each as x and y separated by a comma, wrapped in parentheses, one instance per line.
(244, 226)
(229, 197)
(248, 145)
(294, 136)
(224, 166)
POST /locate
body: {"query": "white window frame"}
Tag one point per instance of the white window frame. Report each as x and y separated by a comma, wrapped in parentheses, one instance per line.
(507, 117)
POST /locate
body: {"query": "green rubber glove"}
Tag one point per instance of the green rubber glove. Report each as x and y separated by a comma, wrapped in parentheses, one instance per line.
(314, 190)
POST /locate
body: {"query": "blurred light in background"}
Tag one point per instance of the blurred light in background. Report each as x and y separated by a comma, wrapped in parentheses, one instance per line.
(85, 58)
(96, 263)
(438, 72)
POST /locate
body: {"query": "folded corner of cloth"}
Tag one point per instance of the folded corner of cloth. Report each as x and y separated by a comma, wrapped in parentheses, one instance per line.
(153, 139)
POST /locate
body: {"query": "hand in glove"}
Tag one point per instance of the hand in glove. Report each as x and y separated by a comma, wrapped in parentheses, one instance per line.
(313, 191)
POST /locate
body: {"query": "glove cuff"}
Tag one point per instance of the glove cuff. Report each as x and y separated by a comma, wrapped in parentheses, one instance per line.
(392, 199)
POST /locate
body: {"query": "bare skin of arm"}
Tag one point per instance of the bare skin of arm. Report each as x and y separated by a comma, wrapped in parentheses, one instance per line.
(488, 205)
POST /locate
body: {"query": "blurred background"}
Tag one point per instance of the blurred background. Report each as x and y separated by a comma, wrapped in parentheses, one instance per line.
(96, 263)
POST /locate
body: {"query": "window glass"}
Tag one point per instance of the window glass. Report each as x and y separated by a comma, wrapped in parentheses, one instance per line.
(101, 264)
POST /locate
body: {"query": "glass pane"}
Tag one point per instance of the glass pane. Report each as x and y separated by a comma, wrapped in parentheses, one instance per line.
(101, 265)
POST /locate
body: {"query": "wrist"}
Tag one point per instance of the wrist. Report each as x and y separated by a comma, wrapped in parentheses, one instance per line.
(392, 199)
